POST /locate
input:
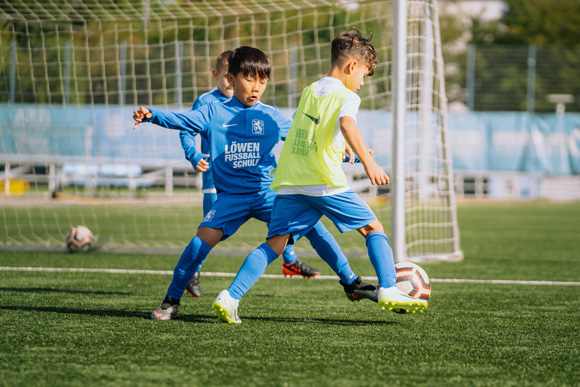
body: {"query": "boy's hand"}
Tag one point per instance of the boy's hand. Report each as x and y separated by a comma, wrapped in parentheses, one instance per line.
(350, 153)
(140, 115)
(376, 174)
(203, 165)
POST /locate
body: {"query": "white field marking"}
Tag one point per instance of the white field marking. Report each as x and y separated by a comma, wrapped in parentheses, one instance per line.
(275, 276)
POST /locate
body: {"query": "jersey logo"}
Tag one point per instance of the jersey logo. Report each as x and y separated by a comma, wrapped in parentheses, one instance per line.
(209, 216)
(315, 120)
(257, 126)
(227, 126)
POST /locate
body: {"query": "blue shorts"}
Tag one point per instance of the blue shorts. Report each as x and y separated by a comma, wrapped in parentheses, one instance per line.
(297, 214)
(230, 212)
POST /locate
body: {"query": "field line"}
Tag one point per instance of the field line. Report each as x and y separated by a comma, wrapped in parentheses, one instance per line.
(331, 277)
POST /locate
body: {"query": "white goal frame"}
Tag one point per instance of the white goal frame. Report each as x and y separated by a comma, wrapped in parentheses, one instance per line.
(73, 71)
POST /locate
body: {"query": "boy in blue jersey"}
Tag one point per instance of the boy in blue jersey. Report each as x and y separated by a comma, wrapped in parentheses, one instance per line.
(311, 183)
(223, 91)
(241, 133)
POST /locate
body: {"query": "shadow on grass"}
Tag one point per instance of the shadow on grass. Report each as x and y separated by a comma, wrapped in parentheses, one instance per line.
(106, 313)
(51, 290)
(329, 321)
(197, 318)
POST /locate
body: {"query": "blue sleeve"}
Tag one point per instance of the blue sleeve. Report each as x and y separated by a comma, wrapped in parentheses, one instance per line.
(188, 143)
(284, 124)
(194, 121)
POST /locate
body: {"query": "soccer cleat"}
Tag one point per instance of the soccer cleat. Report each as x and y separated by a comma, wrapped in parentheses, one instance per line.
(193, 287)
(395, 300)
(226, 308)
(166, 311)
(299, 268)
(359, 290)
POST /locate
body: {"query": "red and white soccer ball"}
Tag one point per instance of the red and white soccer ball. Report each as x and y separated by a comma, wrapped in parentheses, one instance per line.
(79, 238)
(413, 280)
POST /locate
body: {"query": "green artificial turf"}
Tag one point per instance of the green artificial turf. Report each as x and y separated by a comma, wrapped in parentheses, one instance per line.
(71, 329)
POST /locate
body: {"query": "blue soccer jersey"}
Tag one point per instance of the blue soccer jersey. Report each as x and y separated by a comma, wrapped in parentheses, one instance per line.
(241, 139)
(188, 138)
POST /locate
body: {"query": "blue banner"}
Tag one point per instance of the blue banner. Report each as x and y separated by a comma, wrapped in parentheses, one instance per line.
(517, 142)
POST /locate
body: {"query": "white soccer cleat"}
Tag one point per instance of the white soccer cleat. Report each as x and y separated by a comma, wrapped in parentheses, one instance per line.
(226, 307)
(395, 300)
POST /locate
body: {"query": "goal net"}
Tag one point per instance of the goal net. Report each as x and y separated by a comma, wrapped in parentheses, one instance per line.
(71, 73)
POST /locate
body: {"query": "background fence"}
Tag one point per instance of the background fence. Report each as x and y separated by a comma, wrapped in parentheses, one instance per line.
(517, 78)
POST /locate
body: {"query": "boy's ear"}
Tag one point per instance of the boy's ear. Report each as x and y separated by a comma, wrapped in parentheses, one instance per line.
(350, 66)
(214, 74)
(230, 78)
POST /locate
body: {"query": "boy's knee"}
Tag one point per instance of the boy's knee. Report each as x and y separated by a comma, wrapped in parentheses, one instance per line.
(278, 243)
(211, 236)
(374, 226)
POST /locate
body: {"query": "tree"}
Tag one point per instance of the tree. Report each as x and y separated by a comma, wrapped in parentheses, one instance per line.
(540, 22)
(553, 27)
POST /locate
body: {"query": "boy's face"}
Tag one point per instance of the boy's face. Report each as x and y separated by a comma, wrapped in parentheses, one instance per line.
(357, 71)
(223, 83)
(248, 89)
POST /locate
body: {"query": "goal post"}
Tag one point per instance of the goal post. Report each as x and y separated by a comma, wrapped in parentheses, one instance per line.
(424, 211)
(72, 72)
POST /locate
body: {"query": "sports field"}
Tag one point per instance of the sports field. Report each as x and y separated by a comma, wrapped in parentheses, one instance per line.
(93, 327)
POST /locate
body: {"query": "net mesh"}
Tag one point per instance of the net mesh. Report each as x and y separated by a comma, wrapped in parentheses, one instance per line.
(72, 72)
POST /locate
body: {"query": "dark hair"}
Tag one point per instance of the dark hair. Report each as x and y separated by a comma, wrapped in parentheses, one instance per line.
(222, 60)
(351, 44)
(249, 61)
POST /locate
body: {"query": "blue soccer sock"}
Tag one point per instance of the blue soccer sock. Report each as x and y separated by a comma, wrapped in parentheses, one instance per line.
(381, 256)
(328, 249)
(289, 255)
(251, 270)
(195, 253)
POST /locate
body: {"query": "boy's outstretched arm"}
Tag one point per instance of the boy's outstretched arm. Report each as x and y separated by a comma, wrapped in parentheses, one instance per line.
(355, 140)
(195, 121)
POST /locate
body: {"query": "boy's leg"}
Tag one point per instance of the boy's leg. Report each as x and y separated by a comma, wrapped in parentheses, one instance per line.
(255, 265)
(195, 252)
(349, 212)
(227, 215)
(380, 253)
(381, 256)
(328, 249)
(289, 255)
(193, 287)
(226, 303)
(284, 220)
(294, 265)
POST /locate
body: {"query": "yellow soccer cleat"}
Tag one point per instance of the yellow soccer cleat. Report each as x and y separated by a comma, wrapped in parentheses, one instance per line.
(396, 301)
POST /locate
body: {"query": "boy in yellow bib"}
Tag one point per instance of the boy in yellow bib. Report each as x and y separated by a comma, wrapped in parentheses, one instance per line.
(311, 183)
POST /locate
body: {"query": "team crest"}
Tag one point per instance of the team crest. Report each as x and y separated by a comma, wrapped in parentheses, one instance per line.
(257, 126)
(209, 216)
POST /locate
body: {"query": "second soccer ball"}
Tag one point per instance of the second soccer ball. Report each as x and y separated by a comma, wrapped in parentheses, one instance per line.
(79, 238)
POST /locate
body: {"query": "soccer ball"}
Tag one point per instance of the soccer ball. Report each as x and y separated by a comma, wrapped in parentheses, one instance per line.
(413, 280)
(79, 238)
